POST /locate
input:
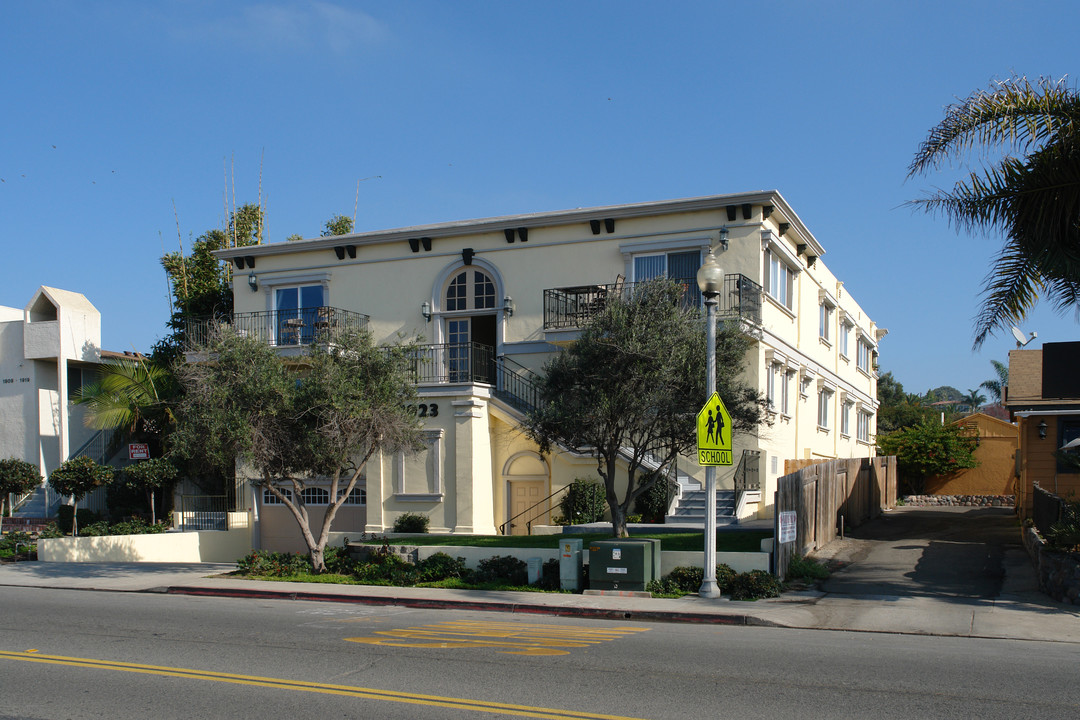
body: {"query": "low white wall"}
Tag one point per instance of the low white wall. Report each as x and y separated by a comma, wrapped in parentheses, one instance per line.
(740, 562)
(737, 561)
(188, 547)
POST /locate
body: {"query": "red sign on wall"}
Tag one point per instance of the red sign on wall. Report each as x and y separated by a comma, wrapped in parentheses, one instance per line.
(138, 451)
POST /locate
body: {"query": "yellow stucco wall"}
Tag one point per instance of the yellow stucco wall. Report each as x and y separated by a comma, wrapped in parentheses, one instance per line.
(996, 453)
(188, 547)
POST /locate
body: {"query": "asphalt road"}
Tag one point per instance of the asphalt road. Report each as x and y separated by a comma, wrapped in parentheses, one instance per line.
(77, 654)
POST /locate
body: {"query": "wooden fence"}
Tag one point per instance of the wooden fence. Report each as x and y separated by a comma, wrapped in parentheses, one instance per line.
(826, 496)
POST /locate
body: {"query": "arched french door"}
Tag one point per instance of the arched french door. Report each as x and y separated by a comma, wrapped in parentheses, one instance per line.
(470, 314)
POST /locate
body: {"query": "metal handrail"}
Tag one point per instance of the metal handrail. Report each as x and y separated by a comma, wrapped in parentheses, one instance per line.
(514, 387)
(506, 525)
(453, 363)
(747, 474)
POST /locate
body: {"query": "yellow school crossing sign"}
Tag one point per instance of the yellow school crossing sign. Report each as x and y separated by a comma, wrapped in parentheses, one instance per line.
(714, 433)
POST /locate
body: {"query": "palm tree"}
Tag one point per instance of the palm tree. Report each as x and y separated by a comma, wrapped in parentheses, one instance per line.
(974, 399)
(996, 387)
(1033, 199)
(128, 395)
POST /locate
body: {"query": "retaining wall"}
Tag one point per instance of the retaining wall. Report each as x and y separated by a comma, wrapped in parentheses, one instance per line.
(1058, 573)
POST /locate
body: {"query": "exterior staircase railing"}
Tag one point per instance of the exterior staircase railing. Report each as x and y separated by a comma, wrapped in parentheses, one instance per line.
(747, 474)
(528, 523)
(513, 385)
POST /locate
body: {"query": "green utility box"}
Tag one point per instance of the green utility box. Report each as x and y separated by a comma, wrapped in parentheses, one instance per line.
(627, 564)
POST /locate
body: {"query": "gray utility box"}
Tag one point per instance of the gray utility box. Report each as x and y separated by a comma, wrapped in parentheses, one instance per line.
(570, 564)
(627, 564)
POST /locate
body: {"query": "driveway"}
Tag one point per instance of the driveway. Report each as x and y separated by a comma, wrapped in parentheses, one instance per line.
(934, 571)
(944, 552)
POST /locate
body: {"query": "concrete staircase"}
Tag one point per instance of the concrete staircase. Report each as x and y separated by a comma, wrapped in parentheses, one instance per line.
(36, 506)
(690, 507)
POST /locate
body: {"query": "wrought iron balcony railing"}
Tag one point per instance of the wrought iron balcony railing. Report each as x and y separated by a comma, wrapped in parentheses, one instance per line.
(284, 328)
(442, 363)
(573, 307)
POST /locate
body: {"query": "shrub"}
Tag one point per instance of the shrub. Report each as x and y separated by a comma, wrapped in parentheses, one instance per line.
(263, 563)
(411, 523)
(503, 568)
(16, 537)
(804, 568)
(1064, 535)
(929, 449)
(385, 567)
(135, 526)
(440, 566)
(584, 502)
(652, 505)
(754, 585)
(51, 531)
(338, 561)
(687, 580)
(63, 518)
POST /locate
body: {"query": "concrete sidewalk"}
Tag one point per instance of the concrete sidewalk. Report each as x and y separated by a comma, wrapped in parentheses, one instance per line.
(1020, 612)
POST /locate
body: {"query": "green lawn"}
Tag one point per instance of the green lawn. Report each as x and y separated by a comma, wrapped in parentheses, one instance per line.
(726, 541)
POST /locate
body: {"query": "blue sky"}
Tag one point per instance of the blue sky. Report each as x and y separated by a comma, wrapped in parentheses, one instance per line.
(115, 112)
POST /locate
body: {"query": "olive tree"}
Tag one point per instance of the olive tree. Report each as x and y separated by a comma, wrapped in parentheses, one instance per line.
(631, 386)
(294, 422)
(151, 475)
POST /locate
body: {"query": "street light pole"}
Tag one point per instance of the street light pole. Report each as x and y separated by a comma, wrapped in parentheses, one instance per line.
(710, 279)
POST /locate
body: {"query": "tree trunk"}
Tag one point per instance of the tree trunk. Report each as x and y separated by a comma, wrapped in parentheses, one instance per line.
(74, 517)
(153, 514)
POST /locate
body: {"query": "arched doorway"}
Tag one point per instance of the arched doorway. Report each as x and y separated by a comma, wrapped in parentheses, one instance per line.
(527, 481)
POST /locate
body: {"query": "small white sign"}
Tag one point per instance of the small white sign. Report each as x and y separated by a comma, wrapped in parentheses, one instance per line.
(616, 571)
(616, 554)
(787, 526)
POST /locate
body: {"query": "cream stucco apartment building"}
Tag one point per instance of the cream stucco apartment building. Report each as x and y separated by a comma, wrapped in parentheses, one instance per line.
(493, 299)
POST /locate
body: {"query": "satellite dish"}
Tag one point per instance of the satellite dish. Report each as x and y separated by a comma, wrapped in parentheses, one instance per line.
(1021, 338)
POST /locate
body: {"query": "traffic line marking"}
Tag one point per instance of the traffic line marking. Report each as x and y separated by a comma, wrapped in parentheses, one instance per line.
(322, 688)
(513, 638)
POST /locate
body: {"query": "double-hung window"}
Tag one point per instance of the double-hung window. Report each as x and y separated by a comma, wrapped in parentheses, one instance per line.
(845, 332)
(825, 316)
(865, 356)
(779, 279)
(864, 426)
(845, 418)
(824, 401)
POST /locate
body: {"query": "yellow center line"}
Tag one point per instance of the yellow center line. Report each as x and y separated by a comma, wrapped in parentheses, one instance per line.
(520, 639)
(304, 686)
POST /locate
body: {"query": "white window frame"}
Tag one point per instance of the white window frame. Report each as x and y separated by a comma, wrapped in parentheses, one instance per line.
(358, 496)
(845, 418)
(825, 397)
(865, 355)
(826, 312)
(268, 498)
(845, 334)
(863, 430)
(314, 495)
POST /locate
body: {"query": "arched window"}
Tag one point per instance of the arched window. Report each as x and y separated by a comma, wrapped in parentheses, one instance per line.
(470, 289)
(315, 496)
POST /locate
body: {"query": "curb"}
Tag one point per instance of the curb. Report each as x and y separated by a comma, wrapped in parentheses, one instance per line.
(506, 607)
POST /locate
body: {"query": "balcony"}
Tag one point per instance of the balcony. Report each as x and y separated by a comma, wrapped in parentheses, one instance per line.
(283, 328)
(573, 307)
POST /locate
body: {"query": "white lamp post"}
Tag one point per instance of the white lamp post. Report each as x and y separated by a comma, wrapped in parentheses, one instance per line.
(710, 280)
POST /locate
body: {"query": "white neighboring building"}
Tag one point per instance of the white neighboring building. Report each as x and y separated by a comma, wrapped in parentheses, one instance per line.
(45, 348)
